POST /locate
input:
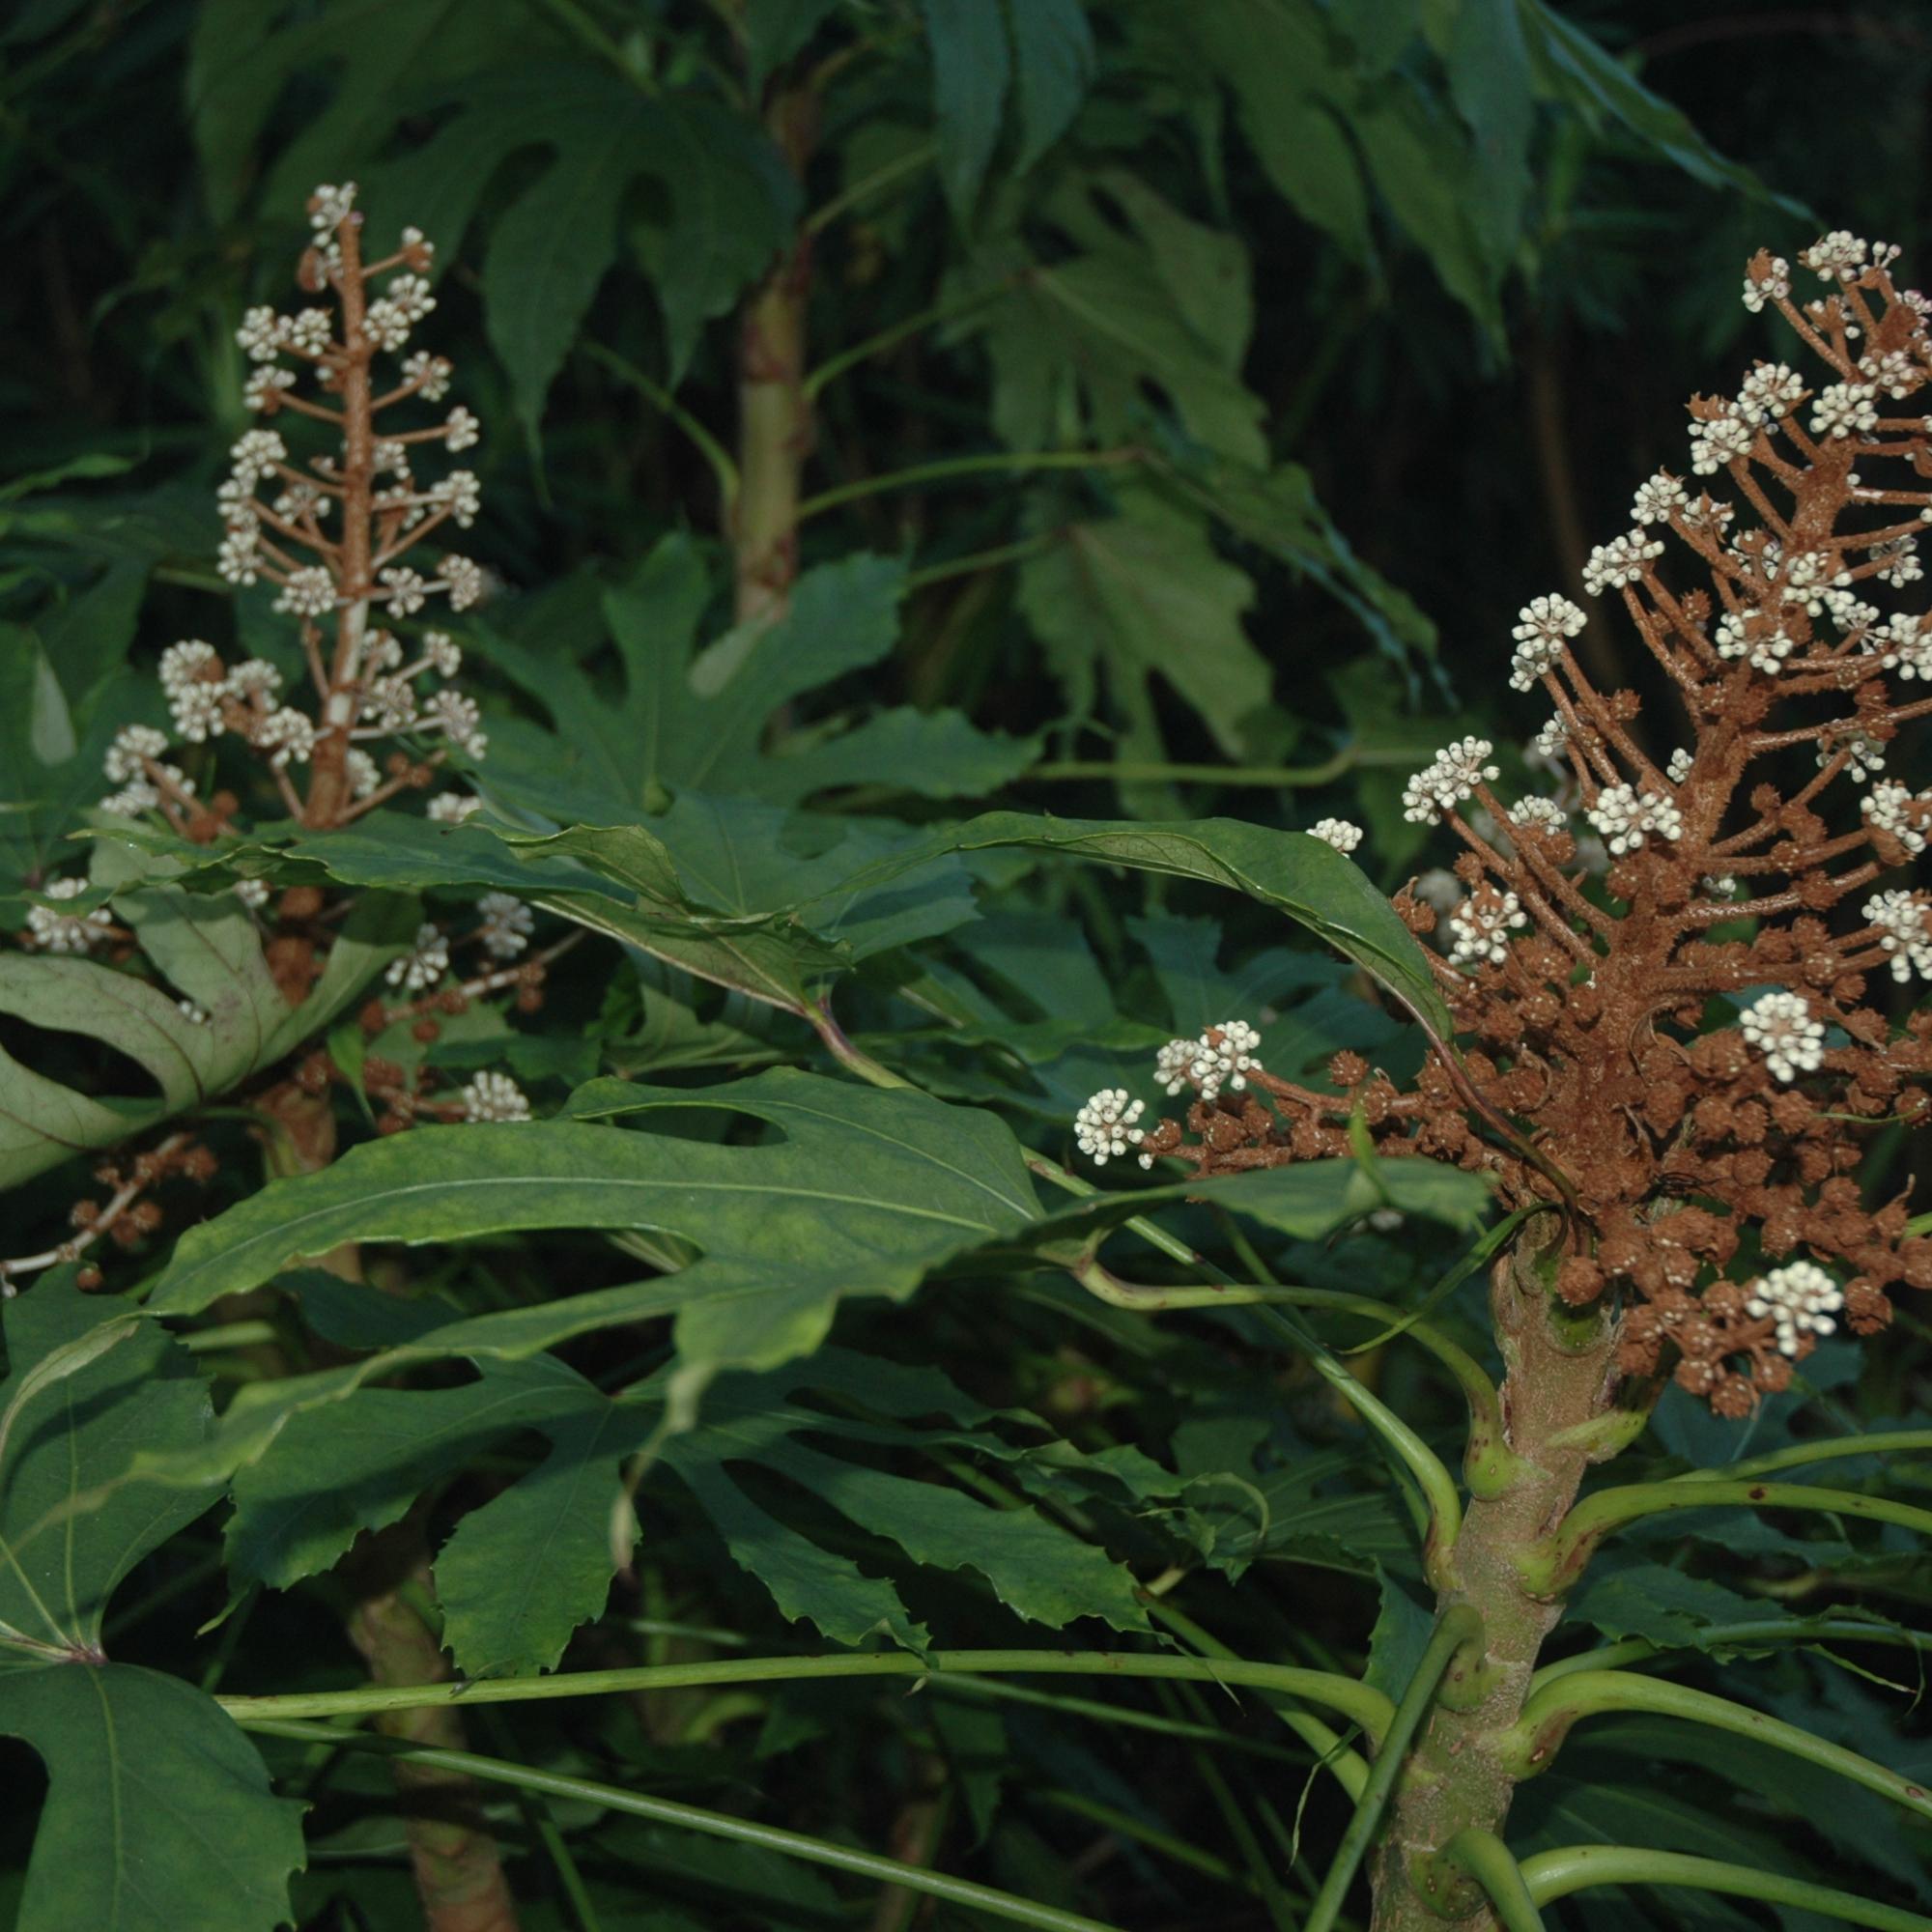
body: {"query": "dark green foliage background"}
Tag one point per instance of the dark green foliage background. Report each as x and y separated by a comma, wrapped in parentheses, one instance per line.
(1393, 302)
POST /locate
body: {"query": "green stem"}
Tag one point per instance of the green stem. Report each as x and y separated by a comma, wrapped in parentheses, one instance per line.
(1016, 551)
(834, 366)
(541, 1820)
(838, 1044)
(1270, 777)
(1552, 1875)
(1562, 1554)
(909, 162)
(227, 1335)
(1126, 1718)
(1150, 1231)
(1432, 1474)
(1354, 1699)
(1350, 1771)
(1266, 1886)
(1124, 1825)
(1721, 1636)
(707, 446)
(1548, 1714)
(1487, 1860)
(712, 1824)
(1478, 1390)
(1459, 1627)
(1003, 462)
(1896, 1441)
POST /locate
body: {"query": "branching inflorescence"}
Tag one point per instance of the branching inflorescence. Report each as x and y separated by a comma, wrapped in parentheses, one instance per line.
(336, 532)
(1666, 974)
(341, 531)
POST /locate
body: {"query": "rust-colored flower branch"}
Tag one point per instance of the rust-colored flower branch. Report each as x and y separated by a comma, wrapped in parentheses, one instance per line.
(1669, 979)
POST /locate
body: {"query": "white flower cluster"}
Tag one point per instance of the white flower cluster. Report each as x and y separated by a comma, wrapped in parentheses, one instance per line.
(1550, 743)
(506, 924)
(57, 931)
(1479, 929)
(1800, 1298)
(1221, 1056)
(1622, 560)
(1544, 813)
(495, 1096)
(1894, 809)
(1844, 408)
(1627, 816)
(1906, 646)
(1657, 498)
(1837, 257)
(1781, 1026)
(1766, 651)
(425, 962)
(1453, 775)
(1770, 391)
(1720, 440)
(134, 761)
(1104, 1127)
(1338, 833)
(257, 530)
(1773, 287)
(1865, 755)
(1543, 626)
(1899, 918)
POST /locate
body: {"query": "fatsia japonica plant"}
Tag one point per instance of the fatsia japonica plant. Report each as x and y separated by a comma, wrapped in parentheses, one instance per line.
(636, 1429)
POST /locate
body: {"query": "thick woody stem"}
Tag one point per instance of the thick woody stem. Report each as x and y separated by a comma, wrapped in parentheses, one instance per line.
(1458, 1776)
(458, 1872)
(459, 1876)
(774, 411)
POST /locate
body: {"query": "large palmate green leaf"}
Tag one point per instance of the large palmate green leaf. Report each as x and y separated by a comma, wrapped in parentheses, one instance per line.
(692, 719)
(197, 1837)
(520, 1573)
(865, 1192)
(724, 200)
(1296, 875)
(89, 1382)
(1148, 304)
(158, 1814)
(1144, 596)
(203, 950)
(1035, 1566)
(773, 942)
(1038, 51)
(246, 52)
(710, 886)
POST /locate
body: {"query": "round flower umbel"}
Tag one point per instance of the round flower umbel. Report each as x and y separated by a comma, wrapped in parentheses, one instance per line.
(1592, 925)
(495, 1096)
(1781, 1028)
(1338, 833)
(1799, 1301)
(1104, 1128)
(53, 930)
(326, 506)
(1480, 927)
